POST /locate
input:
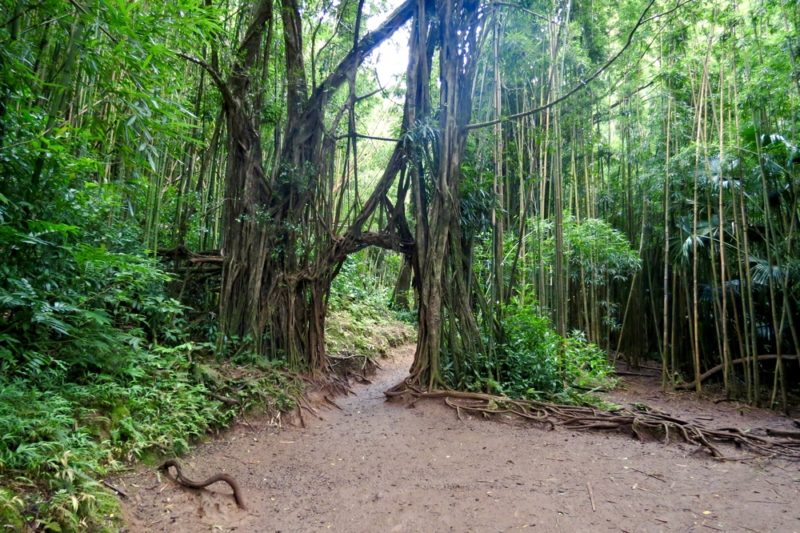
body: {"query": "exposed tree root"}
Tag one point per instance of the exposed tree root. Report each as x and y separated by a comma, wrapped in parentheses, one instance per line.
(784, 433)
(186, 482)
(641, 422)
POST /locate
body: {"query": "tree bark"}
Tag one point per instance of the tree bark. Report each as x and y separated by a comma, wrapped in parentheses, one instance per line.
(439, 243)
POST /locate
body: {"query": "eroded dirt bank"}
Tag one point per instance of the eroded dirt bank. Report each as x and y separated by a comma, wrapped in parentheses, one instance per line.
(375, 466)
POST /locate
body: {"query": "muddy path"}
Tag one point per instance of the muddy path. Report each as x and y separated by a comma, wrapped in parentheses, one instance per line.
(375, 466)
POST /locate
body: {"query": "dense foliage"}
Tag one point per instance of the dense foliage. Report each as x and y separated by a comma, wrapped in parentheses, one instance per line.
(535, 362)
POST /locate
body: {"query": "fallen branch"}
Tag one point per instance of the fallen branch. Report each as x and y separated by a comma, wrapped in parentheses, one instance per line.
(783, 433)
(115, 489)
(710, 372)
(628, 373)
(198, 259)
(223, 399)
(640, 422)
(182, 253)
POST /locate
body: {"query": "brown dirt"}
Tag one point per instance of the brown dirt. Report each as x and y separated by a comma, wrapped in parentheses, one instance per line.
(377, 466)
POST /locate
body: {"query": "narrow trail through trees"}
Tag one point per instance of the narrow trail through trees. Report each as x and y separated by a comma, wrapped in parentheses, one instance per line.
(381, 466)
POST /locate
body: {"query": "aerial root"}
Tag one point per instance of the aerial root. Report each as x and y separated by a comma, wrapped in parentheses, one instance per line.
(643, 423)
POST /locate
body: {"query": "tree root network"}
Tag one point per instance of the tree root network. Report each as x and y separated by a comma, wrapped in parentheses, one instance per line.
(641, 422)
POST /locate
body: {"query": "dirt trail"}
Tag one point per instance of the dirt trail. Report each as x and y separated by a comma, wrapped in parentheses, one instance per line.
(375, 466)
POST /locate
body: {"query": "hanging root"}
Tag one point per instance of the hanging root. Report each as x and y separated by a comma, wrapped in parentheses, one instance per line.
(186, 482)
(640, 422)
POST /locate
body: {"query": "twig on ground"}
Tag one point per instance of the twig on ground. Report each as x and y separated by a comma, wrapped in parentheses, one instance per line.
(115, 489)
(654, 476)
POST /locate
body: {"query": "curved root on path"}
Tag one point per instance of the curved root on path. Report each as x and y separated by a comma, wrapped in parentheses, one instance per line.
(640, 423)
(186, 482)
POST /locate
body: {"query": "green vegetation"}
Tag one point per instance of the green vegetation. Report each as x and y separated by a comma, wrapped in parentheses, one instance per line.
(60, 436)
(534, 362)
(200, 200)
(58, 439)
(95, 370)
(361, 321)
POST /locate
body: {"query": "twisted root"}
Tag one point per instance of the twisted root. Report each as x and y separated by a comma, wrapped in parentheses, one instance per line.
(186, 482)
(639, 422)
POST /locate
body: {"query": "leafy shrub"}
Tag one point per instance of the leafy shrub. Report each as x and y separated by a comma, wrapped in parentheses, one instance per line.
(585, 364)
(11, 510)
(359, 289)
(594, 249)
(81, 306)
(533, 361)
(58, 437)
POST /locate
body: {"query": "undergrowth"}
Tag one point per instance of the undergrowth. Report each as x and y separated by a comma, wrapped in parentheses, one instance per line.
(95, 366)
(97, 372)
(58, 438)
(534, 362)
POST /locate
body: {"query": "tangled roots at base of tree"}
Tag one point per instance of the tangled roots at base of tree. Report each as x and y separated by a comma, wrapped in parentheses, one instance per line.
(642, 422)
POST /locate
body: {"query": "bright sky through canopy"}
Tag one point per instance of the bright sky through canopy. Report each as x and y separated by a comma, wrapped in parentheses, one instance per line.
(391, 57)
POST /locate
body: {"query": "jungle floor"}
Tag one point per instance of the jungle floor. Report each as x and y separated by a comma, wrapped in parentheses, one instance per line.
(375, 466)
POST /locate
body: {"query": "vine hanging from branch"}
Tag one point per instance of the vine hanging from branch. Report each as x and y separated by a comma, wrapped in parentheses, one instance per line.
(584, 83)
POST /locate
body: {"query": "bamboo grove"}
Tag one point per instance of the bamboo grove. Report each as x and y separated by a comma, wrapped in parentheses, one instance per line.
(628, 171)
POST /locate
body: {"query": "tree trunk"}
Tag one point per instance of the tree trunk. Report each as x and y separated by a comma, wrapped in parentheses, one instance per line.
(439, 243)
(279, 257)
(402, 286)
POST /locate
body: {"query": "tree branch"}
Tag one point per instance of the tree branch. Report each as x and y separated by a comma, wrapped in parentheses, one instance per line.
(356, 56)
(389, 241)
(248, 48)
(664, 13)
(369, 94)
(369, 137)
(708, 373)
(227, 96)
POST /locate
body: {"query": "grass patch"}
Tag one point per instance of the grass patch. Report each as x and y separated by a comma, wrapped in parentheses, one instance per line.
(369, 333)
